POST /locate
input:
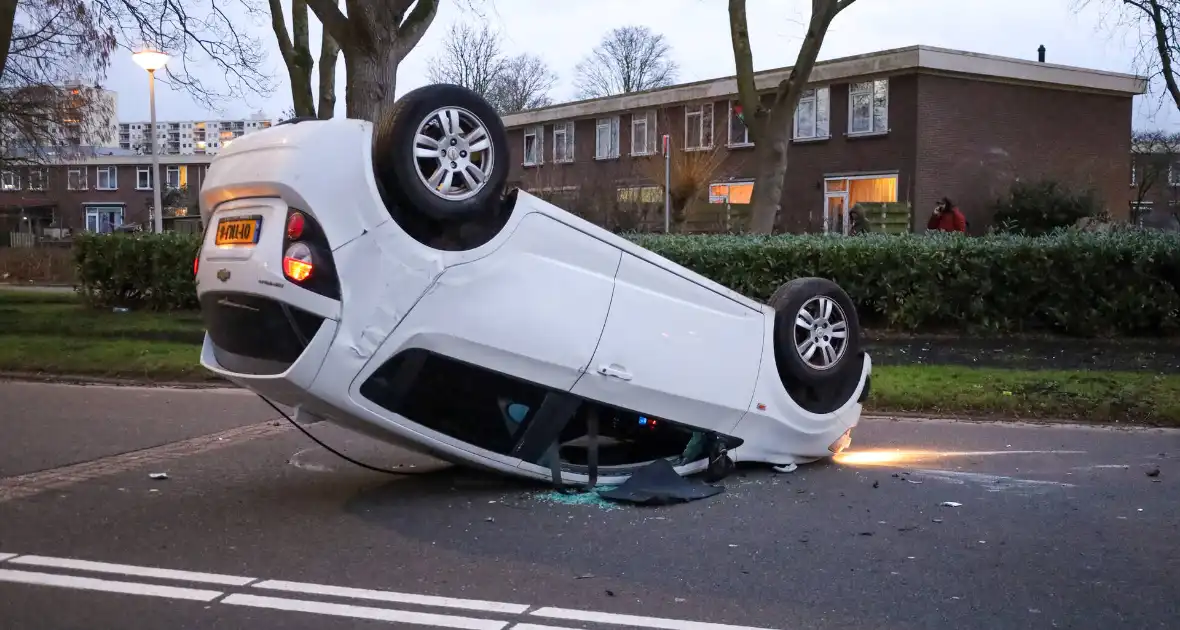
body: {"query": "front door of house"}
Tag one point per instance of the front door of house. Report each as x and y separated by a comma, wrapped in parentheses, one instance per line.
(103, 219)
(836, 213)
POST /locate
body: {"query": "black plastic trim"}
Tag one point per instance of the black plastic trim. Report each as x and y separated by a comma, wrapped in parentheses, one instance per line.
(324, 279)
(256, 330)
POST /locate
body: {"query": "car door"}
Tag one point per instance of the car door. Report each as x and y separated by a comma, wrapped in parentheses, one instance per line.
(674, 349)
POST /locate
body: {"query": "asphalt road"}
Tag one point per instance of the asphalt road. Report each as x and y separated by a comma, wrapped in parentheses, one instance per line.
(255, 526)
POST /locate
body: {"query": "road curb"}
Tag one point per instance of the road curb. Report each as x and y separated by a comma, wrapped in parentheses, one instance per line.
(213, 382)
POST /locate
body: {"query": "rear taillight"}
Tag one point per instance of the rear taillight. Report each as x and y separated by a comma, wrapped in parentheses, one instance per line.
(196, 264)
(297, 262)
(295, 225)
(307, 255)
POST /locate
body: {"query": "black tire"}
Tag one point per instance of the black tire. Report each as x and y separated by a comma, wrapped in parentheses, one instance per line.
(811, 293)
(401, 173)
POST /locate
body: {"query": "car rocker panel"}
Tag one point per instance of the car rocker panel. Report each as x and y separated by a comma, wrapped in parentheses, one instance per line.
(544, 346)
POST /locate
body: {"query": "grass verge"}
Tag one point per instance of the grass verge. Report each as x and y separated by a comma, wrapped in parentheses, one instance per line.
(54, 334)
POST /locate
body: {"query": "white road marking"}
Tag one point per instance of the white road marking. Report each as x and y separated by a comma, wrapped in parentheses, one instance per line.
(389, 596)
(131, 570)
(633, 620)
(23, 486)
(321, 607)
(364, 612)
(109, 586)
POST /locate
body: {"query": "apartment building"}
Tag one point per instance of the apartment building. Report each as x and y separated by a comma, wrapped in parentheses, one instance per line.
(188, 137)
(94, 192)
(905, 126)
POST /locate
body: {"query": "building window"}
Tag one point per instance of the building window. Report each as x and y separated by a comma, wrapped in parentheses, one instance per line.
(37, 177)
(103, 219)
(868, 107)
(606, 138)
(9, 180)
(172, 177)
(731, 192)
(107, 178)
(643, 133)
(1173, 173)
(813, 114)
(143, 178)
(739, 134)
(533, 145)
(76, 179)
(563, 142)
(640, 194)
(698, 127)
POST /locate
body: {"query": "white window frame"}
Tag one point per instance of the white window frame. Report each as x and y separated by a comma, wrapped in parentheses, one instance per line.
(745, 142)
(112, 173)
(80, 172)
(95, 211)
(537, 133)
(872, 93)
(44, 173)
(647, 120)
(611, 151)
(139, 173)
(168, 176)
(811, 98)
(698, 111)
(566, 130)
(1134, 173)
(9, 180)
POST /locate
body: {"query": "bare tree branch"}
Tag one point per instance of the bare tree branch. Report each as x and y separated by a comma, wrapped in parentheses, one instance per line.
(329, 53)
(473, 58)
(628, 59)
(51, 102)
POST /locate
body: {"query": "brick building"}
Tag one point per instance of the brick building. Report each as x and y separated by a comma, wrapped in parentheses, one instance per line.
(906, 126)
(96, 193)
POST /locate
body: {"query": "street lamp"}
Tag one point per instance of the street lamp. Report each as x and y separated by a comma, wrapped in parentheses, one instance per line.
(152, 60)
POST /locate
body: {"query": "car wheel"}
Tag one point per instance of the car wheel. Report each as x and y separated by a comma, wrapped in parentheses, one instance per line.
(441, 153)
(817, 332)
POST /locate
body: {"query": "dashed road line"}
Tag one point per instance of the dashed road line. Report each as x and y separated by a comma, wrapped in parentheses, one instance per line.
(364, 612)
(109, 586)
(131, 570)
(517, 616)
(392, 597)
(633, 620)
(23, 486)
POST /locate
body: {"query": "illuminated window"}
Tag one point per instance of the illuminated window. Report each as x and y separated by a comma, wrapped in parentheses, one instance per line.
(731, 192)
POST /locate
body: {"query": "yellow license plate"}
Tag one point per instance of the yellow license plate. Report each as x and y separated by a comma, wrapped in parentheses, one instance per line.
(238, 231)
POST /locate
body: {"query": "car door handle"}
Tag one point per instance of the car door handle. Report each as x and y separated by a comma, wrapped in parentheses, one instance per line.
(614, 371)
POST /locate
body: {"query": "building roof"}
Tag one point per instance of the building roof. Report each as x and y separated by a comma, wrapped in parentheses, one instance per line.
(925, 59)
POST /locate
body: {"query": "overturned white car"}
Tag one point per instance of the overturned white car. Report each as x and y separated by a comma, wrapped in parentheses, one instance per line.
(379, 277)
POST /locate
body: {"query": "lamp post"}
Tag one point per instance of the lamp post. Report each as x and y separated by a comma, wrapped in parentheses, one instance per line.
(152, 60)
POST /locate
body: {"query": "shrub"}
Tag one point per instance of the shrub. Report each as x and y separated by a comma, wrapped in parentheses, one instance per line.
(138, 270)
(1081, 283)
(1038, 208)
(1076, 283)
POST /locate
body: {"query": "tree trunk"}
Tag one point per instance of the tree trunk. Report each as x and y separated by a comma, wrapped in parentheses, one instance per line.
(371, 80)
(7, 21)
(329, 52)
(771, 154)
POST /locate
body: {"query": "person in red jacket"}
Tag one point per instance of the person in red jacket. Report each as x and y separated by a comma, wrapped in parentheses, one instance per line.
(947, 218)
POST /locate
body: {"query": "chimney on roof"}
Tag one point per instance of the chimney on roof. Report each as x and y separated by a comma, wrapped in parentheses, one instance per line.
(1041, 53)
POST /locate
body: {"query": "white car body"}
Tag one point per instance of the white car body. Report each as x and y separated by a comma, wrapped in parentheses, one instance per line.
(552, 299)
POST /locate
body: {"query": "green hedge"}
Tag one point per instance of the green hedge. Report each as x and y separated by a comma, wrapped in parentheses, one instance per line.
(1121, 283)
(138, 270)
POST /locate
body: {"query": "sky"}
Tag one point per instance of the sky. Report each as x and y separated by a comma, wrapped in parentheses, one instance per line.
(1081, 33)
